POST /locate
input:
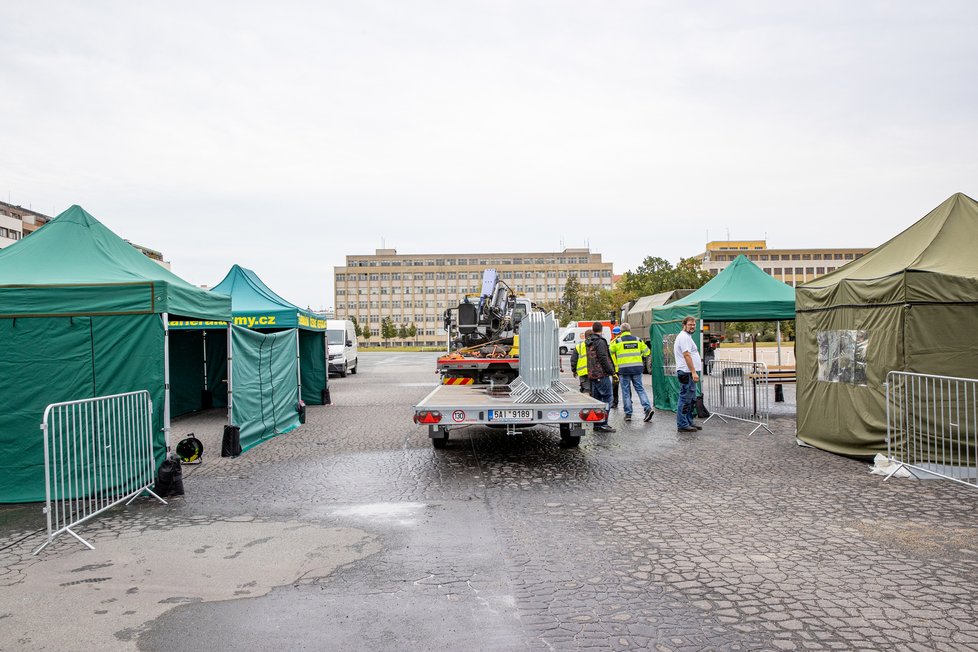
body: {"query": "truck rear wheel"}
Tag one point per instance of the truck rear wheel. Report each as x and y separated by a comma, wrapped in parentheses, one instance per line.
(440, 442)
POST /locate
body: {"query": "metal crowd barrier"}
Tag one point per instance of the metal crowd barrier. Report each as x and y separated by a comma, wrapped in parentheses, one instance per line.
(932, 425)
(98, 452)
(539, 379)
(739, 391)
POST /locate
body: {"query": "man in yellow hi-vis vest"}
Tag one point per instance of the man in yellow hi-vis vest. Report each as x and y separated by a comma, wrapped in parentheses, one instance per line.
(578, 363)
(629, 354)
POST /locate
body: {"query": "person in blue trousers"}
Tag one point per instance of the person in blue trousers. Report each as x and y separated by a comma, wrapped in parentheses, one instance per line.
(629, 354)
(688, 366)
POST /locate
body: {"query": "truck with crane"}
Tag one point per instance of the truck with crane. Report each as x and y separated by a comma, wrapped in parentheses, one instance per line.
(484, 360)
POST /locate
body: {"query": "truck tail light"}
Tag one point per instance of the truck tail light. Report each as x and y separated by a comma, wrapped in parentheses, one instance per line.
(592, 415)
(427, 416)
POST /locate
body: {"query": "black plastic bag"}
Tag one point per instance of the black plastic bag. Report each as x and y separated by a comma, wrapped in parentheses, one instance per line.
(701, 410)
(231, 444)
(169, 479)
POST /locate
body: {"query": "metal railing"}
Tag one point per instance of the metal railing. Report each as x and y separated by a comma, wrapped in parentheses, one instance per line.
(932, 425)
(739, 391)
(98, 452)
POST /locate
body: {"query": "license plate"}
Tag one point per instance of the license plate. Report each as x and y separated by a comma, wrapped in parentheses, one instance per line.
(510, 415)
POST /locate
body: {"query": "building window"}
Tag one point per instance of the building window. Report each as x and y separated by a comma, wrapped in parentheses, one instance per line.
(819, 270)
(849, 256)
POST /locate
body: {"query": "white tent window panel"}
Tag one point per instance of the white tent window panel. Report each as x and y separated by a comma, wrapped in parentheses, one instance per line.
(842, 356)
(669, 353)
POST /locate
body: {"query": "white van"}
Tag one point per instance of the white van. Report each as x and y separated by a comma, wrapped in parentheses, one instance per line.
(341, 337)
(574, 335)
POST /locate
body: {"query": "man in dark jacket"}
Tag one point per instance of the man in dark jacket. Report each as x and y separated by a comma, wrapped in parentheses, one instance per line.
(578, 363)
(600, 369)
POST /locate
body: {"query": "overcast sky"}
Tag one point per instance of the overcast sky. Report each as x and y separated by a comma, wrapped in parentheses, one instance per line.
(284, 136)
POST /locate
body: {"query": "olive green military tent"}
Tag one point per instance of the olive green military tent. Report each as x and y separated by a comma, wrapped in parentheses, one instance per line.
(911, 304)
(82, 314)
(741, 292)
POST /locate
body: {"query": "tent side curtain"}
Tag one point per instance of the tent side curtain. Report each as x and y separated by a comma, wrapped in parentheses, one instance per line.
(665, 385)
(53, 360)
(846, 417)
(265, 384)
(312, 361)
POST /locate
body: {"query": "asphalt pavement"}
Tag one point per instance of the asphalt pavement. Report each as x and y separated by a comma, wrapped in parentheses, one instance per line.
(352, 532)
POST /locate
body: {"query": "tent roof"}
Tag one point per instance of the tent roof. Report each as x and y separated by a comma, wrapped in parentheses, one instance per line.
(75, 265)
(254, 301)
(741, 292)
(931, 261)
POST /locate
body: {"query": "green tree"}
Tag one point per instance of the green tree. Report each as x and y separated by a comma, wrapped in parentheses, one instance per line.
(387, 329)
(572, 301)
(689, 274)
(356, 326)
(788, 329)
(365, 333)
(657, 275)
(402, 332)
(413, 332)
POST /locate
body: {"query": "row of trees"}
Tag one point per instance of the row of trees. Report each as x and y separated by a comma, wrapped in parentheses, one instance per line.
(766, 330)
(584, 302)
(654, 275)
(388, 330)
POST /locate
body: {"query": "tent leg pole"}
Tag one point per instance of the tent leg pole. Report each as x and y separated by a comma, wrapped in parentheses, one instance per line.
(230, 375)
(298, 367)
(778, 329)
(166, 379)
(203, 337)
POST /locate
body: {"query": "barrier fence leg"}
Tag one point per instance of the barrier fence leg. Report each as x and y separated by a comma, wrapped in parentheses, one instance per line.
(150, 492)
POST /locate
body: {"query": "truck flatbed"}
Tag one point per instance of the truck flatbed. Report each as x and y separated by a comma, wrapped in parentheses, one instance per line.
(449, 407)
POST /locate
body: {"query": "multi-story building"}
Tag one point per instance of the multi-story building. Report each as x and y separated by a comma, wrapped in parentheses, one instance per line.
(17, 222)
(417, 288)
(793, 266)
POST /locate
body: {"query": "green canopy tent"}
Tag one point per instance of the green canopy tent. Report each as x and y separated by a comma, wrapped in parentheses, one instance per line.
(908, 305)
(258, 407)
(257, 307)
(741, 292)
(82, 314)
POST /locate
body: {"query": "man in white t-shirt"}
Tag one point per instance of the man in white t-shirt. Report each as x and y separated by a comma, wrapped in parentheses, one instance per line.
(688, 366)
